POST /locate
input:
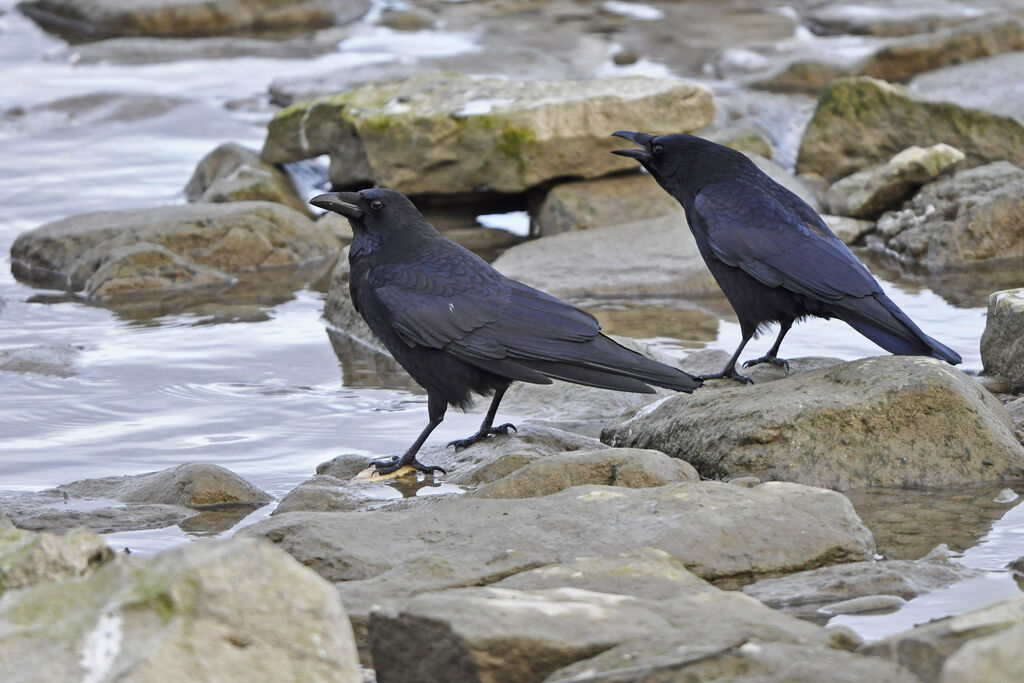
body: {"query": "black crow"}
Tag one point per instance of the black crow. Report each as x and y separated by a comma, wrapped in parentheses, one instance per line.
(459, 326)
(771, 253)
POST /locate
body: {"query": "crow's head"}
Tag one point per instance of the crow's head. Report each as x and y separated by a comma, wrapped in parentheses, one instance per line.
(678, 161)
(377, 211)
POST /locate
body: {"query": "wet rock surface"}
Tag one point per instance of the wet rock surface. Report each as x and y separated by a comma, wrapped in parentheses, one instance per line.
(451, 134)
(27, 557)
(233, 173)
(823, 428)
(1002, 344)
(122, 255)
(186, 613)
(56, 361)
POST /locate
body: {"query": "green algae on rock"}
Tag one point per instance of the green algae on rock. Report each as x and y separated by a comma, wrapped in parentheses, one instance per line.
(448, 133)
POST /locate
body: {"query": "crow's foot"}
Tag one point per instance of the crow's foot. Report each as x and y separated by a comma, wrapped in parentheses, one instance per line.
(728, 373)
(395, 463)
(483, 434)
(774, 360)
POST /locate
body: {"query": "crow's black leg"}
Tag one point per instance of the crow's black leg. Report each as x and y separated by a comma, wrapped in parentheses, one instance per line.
(436, 408)
(729, 371)
(772, 355)
(486, 430)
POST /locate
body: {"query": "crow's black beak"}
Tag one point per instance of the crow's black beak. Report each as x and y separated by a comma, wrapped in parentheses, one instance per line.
(339, 202)
(642, 139)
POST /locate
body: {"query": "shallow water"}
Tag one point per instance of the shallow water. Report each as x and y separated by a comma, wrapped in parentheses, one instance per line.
(264, 394)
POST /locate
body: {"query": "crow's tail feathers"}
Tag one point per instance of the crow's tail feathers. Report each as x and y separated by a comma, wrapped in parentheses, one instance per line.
(879, 319)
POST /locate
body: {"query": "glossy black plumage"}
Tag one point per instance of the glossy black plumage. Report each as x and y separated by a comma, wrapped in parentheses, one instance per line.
(460, 327)
(770, 252)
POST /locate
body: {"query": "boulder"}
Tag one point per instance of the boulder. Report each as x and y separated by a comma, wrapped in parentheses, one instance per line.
(979, 84)
(214, 610)
(1002, 343)
(909, 421)
(114, 255)
(903, 578)
(452, 134)
(501, 634)
(27, 557)
(864, 121)
(970, 218)
(58, 360)
(84, 20)
(849, 230)
(661, 259)
(887, 19)
(695, 655)
(775, 527)
(233, 173)
(143, 501)
(992, 632)
(870, 192)
(599, 203)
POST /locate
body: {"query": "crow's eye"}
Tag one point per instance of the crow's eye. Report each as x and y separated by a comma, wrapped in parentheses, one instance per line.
(657, 149)
(376, 204)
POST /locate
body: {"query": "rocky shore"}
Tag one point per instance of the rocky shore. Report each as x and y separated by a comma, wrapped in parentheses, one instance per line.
(615, 536)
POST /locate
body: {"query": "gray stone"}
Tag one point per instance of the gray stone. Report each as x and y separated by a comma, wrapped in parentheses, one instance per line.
(970, 218)
(904, 578)
(214, 611)
(780, 527)
(324, 493)
(979, 84)
(864, 121)
(599, 203)
(56, 360)
(905, 421)
(113, 255)
(926, 649)
(500, 634)
(87, 110)
(866, 603)
(83, 20)
(874, 190)
(194, 485)
(747, 139)
(27, 557)
(233, 173)
(889, 19)
(849, 230)
(451, 134)
(1002, 343)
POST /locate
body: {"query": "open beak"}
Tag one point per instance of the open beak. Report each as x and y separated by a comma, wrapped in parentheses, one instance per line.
(642, 139)
(339, 202)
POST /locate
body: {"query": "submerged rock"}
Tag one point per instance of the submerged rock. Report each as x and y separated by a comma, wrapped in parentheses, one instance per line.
(187, 614)
(1002, 344)
(88, 110)
(233, 173)
(872, 191)
(27, 557)
(864, 121)
(83, 20)
(970, 218)
(909, 421)
(58, 360)
(451, 134)
(133, 254)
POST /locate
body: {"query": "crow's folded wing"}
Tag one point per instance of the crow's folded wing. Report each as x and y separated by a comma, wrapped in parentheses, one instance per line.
(780, 243)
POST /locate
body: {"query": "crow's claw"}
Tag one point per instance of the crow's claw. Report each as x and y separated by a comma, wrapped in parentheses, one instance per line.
(774, 360)
(482, 434)
(395, 463)
(727, 374)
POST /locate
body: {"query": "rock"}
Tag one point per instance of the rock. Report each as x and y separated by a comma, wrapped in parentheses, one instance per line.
(971, 217)
(145, 50)
(147, 253)
(629, 467)
(59, 360)
(87, 110)
(5, 521)
(187, 614)
(451, 134)
(1002, 343)
(733, 656)
(874, 190)
(908, 421)
(867, 603)
(903, 578)
(749, 140)
(803, 76)
(983, 38)
(927, 649)
(849, 230)
(779, 527)
(233, 173)
(84, 20)
(585, 204)
(147, 501)
(500, 634)
(888, 19)
(994, 658)
(411, 19)
(27, 558)
(864, 121)
(324, 493)
(979, 84)
(651, 257)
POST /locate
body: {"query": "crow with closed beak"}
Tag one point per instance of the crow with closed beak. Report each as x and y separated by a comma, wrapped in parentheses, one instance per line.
(770, 252)
(459, 327)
